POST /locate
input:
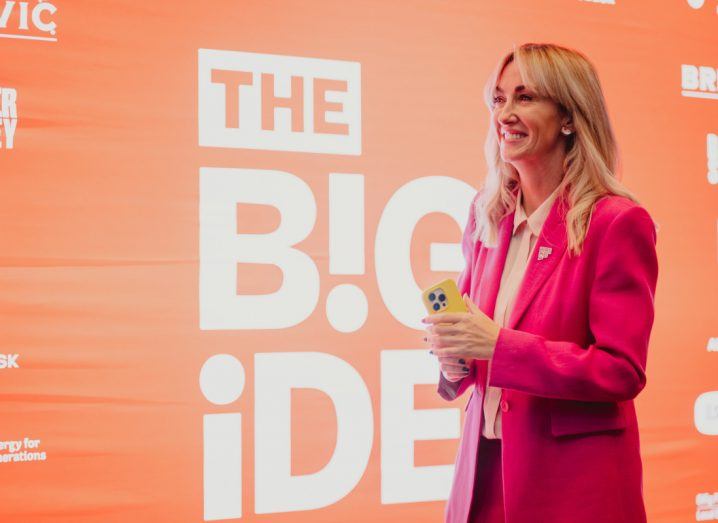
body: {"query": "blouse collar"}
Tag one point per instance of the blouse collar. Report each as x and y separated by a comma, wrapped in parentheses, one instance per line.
(538, 217)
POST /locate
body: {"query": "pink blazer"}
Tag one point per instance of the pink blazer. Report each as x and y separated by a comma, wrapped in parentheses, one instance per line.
(570, 360)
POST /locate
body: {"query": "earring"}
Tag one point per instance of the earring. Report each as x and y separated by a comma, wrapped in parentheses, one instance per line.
(566, 130)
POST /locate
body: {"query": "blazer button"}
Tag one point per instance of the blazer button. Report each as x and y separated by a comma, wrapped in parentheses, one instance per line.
(504, 405)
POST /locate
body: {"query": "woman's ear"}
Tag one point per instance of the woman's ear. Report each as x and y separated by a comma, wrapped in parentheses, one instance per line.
(567, 127)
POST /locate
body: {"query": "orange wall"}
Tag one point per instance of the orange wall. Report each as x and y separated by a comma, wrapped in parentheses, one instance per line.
(113, 304)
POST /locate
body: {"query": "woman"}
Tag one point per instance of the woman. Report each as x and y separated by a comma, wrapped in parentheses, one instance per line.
(560, 277)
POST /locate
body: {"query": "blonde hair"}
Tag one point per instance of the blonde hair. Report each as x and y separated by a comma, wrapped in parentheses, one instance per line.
(568, 78)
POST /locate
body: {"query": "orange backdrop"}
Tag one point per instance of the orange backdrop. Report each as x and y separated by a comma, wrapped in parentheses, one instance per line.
(166, 356)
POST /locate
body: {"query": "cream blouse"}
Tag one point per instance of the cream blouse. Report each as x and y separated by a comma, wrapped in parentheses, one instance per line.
(523, 240)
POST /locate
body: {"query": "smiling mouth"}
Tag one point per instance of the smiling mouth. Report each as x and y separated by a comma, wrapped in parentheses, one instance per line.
(513, 137)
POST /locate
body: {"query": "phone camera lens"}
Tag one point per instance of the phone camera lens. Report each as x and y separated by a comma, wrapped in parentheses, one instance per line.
(436, 306)
(432, 296)
(442, 297)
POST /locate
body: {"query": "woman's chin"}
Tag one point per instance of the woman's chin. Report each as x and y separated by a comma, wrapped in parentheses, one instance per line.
(510, 157)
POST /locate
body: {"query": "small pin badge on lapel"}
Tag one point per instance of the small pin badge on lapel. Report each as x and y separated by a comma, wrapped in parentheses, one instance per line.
(544, 252)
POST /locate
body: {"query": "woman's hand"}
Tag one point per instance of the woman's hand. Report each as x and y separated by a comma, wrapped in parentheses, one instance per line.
(461, 338)
(454, 369)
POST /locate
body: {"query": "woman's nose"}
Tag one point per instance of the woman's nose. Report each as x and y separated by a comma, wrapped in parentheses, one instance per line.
(506, 113)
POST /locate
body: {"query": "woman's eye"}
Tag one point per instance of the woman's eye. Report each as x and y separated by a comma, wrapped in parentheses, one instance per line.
(498, 99)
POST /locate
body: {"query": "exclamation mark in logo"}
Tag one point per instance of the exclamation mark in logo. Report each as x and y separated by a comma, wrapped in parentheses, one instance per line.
(347, 307)
(712, 158)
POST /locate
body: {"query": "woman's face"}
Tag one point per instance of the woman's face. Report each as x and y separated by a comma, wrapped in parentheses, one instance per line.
(528, 126)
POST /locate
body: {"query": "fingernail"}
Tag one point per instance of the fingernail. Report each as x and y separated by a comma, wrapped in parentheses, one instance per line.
(466, 369)
(462, 361)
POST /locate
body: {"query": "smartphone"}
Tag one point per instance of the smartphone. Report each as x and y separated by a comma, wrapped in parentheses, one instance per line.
(443, 297)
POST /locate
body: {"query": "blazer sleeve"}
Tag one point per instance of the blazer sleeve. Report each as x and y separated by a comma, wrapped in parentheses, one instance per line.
(620, 317)
(447, 389)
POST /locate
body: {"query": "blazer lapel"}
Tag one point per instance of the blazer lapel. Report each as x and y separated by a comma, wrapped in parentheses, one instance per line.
(553, 235)
(489, 284)
(494, 267)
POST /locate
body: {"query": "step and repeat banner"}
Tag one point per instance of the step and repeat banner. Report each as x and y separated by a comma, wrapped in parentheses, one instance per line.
(217, 219)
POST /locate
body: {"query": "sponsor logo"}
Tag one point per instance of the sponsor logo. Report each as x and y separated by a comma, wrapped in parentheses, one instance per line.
(705, 413)
(28, 22)
(706, 506)
(8, 117)
(696, 4)
(9, 361)
(712, 147)
(21, 450)
(699, 81)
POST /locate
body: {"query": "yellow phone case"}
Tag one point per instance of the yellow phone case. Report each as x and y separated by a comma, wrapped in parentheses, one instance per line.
(443, 297)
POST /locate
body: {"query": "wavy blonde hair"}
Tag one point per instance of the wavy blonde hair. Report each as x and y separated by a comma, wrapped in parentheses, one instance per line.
(568, 78)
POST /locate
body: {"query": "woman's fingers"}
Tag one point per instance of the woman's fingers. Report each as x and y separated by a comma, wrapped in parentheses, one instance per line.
(454, 364)
(455, 367)
(454, 376)
(452, 359)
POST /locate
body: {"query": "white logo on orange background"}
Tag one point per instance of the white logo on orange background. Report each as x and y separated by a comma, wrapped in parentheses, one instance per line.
(20, 20)
(9, 361)
(8, 116)
(696, 4)
(706, 506)
(699, 81)
(280, 103)
(259, 101)
(275, 374)
(705, 413)
(22, 450)
(712, 146)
